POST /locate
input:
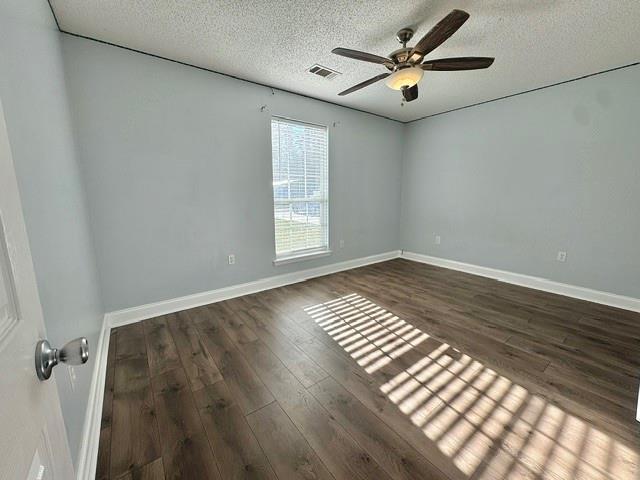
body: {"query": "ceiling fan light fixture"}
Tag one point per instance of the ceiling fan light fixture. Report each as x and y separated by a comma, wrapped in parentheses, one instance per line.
(405, 67)
(404, 78)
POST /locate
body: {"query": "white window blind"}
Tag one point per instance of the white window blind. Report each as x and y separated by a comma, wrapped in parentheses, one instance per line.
(300, 187)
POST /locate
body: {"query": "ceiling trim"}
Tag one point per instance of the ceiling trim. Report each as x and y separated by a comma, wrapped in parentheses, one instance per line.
(328, 101)
(54, 15)
(526, 91)
(214, 71)
(228, 75)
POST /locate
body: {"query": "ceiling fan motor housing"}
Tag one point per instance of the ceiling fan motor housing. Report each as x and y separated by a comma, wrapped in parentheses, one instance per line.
(400, 58)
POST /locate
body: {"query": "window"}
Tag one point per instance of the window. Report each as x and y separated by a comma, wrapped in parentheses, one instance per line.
(300, 188)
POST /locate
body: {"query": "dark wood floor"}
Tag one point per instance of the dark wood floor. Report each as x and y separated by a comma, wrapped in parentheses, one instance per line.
(393, 371)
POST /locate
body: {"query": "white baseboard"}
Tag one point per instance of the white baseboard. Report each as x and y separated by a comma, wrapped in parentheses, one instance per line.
(135, 314)
(88, 457)
(537, 283)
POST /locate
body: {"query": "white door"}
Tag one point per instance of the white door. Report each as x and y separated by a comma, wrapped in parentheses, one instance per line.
(33, 441)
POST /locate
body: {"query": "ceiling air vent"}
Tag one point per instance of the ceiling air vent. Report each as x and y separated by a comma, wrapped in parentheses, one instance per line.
(323, 72)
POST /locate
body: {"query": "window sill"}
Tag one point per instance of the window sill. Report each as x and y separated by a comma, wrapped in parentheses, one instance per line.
(301, 257)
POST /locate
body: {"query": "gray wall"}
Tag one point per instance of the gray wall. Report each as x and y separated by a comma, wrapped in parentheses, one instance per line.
(510, 183)
(177, 164)
(33, 93)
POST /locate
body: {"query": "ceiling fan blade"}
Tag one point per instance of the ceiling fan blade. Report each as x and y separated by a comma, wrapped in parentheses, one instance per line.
(438, 34)
(459, 63)
(364, 84)
(410, 93)
(363, 56)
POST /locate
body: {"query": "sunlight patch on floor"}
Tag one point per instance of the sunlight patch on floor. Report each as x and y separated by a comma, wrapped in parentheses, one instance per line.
(489, 426)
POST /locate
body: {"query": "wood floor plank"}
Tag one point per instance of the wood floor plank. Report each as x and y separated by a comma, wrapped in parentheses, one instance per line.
(131, 374)
(499, 355)
(299, 331)
(104, 447)
(370, 392)
(131, 343)
(278, 320)
(248, 390)
(185, 449)
(566, 356)
(200, 368)
(161, 350)
(606, 336)
(342, 456)
(232, 323)
(303, 367)
(287, 450)
(237, 451)
(603, 387)
(608, 325)
(627, 357)
(134, 434)
(393, 454)
(150, 471)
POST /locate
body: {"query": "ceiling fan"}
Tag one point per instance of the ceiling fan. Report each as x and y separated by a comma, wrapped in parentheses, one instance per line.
(404, 65)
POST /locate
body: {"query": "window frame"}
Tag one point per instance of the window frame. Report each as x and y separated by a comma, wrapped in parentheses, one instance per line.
(305, 253)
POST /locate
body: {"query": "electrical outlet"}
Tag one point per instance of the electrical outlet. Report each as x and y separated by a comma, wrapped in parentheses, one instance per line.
(72, 378)
(562, 256)
(341, 243)
(37, 470)
(232, 259)
(437, 239)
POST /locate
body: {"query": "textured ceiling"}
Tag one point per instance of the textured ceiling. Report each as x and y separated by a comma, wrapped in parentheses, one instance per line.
(535, 42)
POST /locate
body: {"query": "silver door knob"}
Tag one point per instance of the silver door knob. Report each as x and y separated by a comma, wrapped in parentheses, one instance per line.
(75, 352)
